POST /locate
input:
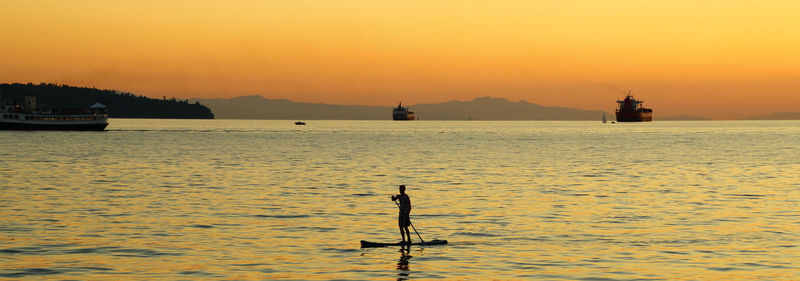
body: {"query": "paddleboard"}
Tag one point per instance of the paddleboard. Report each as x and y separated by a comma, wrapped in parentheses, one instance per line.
(367, 244)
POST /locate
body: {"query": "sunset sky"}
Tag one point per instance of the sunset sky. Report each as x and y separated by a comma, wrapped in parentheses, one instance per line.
(719, 59)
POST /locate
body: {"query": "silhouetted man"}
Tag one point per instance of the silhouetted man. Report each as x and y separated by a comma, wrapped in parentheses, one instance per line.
(403, 221)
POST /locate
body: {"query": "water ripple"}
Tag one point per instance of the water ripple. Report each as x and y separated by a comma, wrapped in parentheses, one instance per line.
(256, 200)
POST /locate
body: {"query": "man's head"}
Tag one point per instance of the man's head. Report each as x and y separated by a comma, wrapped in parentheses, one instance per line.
(402, 188)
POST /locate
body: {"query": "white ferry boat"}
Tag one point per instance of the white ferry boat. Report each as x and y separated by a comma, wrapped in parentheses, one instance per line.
(29, 117)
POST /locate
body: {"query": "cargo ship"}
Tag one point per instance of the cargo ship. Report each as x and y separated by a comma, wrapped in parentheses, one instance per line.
(631, 110)
(402, 113)
(28, 117)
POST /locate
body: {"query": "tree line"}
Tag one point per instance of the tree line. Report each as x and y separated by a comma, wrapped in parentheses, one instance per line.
(120, 104)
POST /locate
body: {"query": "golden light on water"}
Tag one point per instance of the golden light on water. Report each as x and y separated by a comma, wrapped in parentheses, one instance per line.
(211, 199)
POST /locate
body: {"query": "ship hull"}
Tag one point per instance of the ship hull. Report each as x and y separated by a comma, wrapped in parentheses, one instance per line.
(52, 126)
(403, 117)
(634, 116)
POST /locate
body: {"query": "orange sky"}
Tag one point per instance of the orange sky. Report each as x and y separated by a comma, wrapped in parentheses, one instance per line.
(720, 59)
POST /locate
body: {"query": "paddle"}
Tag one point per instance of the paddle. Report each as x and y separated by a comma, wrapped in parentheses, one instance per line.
(412, 225)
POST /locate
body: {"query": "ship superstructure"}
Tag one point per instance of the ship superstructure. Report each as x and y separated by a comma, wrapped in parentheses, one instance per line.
(402, 113)
(632, 110)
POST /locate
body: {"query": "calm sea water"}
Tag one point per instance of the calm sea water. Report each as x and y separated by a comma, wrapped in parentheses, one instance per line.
(250, 200)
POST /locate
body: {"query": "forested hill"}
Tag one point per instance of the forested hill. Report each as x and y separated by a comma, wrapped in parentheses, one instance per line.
(119, 104)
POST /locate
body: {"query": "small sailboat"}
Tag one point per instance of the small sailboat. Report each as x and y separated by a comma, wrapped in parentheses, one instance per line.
(604, 118)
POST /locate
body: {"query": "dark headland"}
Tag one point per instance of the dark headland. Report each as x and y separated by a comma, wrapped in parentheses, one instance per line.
(119, 104)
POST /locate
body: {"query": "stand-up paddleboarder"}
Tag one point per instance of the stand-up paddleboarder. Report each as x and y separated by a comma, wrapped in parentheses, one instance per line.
(403, 220)
(403, 202)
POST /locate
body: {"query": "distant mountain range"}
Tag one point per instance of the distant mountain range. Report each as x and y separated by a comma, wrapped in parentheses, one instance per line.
(484, 108)
(683, 118)
(776, 116)
(488, 108)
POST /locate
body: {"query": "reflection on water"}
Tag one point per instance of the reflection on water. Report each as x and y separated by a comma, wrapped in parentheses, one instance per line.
(253, 200)
(402, 264)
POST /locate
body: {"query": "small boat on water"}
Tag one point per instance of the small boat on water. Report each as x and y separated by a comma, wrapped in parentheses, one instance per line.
(367, 244)
(28, 116)
(299, 123)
